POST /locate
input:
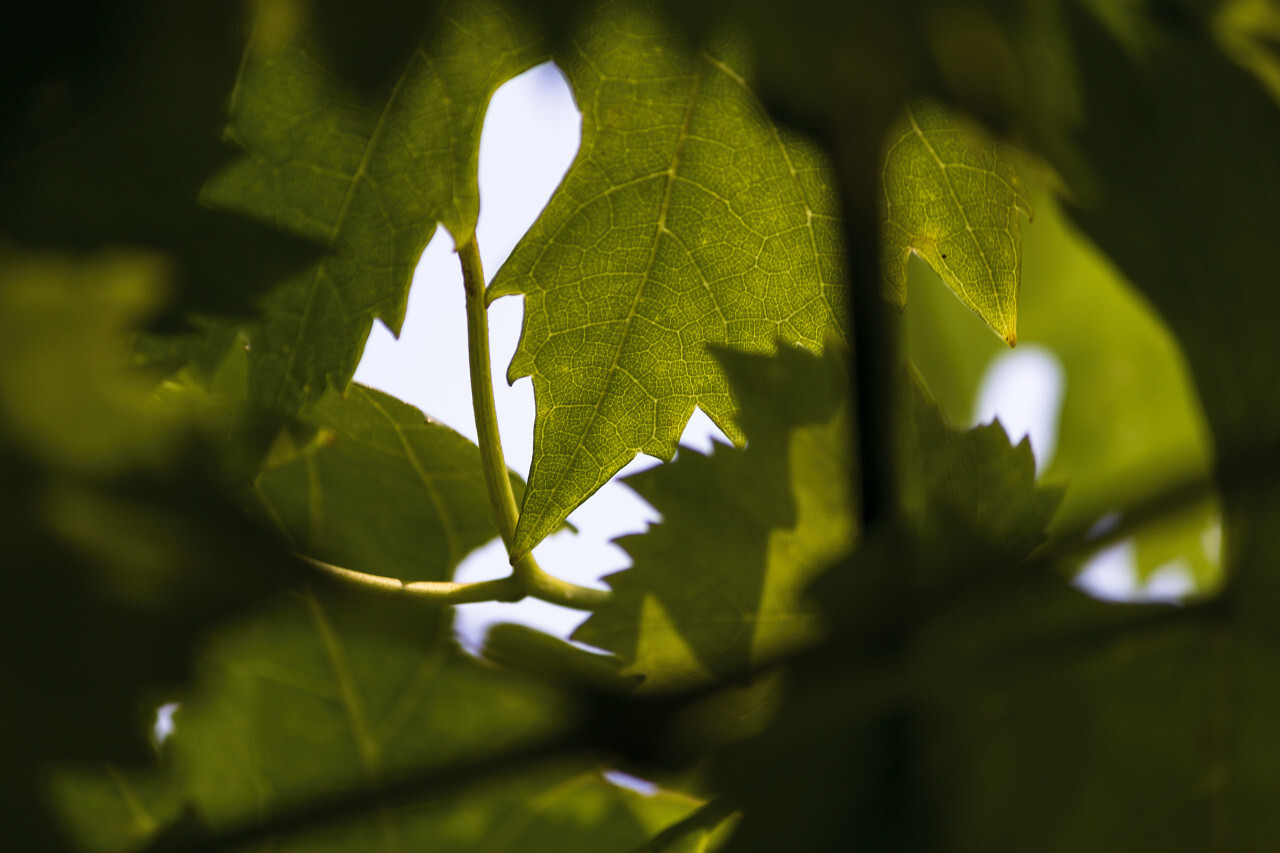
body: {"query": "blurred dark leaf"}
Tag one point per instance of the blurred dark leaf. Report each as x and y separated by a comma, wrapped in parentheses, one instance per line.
(113, 121)
(321, 695)
(119, 550)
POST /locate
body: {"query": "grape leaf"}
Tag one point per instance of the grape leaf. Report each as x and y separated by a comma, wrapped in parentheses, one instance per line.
(118, 551)
(320, 695)
(1018, 713)
(1154, 430)
(370, 178)
(1158, 722)
(952, 199)
(687, 219)
(386, 490)
(974, 478)
(716, 585)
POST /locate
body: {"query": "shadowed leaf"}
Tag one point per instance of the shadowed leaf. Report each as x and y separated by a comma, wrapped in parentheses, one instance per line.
(716, 586)
(118, 551)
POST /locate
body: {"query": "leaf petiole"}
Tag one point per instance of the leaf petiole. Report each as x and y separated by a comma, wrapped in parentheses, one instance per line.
(525, 570)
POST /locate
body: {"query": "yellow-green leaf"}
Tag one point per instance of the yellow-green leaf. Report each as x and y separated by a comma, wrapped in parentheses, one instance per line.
(687, 219)
(953, 200)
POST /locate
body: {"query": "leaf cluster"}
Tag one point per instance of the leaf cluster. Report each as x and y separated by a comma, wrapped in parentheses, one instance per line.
(855, 628)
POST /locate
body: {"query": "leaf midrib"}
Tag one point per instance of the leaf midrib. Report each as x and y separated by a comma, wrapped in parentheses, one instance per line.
(964, 214)
(661, 229)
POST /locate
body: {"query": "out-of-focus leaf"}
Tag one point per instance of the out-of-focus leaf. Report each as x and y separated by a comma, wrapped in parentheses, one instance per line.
(118, 551)
(106, 809)
(370, 42)
(716, 586)
(553, 661)
(1199, 271)
(858, 713)
(973, 478)
(370, 176)
(385, 490)
(1249, 31)
(1188, 239)
(114, 120)
(688, 219)
(1130, 420)
(952, 199)
(319, 695)
(69, 396)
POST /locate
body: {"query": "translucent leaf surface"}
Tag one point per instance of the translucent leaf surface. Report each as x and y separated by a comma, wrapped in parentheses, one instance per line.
(953, 199)
(687, 219)
(368, 176)
(385, 491)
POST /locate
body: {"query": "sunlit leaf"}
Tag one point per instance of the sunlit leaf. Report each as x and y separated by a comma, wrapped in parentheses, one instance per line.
(687, 219)
(954, 200)
(369, 176)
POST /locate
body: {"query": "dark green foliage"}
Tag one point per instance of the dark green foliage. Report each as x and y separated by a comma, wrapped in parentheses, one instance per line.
(826, 643)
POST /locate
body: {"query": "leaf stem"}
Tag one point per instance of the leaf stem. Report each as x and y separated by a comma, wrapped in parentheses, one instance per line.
(525, 571)
(444, 592)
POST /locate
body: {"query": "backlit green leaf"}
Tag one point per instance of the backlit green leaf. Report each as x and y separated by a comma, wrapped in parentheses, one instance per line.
(951, 198)
(385, 491)
(687, 219)
(368, 176)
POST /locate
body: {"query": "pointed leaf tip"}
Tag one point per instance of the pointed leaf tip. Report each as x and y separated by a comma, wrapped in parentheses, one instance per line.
(953, 200)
